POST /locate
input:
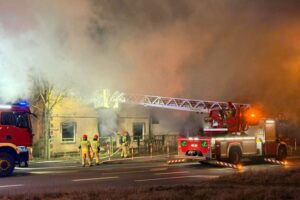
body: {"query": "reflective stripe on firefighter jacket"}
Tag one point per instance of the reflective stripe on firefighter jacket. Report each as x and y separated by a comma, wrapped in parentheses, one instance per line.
(95, 145)
(85, 145)
(124, 139)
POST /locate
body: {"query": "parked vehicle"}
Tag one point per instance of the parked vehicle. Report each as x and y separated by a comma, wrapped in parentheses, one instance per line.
(15, 136)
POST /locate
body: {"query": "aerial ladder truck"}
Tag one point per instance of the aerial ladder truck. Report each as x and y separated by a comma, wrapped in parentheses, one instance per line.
(232, 131)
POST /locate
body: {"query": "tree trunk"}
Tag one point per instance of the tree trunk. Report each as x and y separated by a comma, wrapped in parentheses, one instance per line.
(46, 134)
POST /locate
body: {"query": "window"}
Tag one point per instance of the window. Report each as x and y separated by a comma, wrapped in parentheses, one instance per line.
(18, 119)
(68, 131)
(8, 118)
(22, 120)
(138, 131)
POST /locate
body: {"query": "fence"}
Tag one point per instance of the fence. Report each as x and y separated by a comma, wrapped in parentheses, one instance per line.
(139, 146)
(150, 145)
(157, 144)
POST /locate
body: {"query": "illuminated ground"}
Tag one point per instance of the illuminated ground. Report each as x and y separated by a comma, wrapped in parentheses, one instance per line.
(70, 176)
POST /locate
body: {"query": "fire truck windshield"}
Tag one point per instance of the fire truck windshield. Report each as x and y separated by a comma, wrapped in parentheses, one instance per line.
(18, 119)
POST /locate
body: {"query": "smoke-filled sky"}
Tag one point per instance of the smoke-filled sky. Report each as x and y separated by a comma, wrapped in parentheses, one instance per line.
(238, 50)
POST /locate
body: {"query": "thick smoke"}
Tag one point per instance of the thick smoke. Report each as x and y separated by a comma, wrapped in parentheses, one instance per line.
(108, 122)
(244, 51)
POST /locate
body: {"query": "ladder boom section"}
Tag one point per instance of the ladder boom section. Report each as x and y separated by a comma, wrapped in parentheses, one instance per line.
(191, 105)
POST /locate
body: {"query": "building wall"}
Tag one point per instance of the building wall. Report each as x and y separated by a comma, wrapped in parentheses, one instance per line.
(83, 126)
(84, 116)
(130, 114)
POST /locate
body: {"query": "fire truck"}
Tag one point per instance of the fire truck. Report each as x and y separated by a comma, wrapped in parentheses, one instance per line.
(15, 136)
(231, 131)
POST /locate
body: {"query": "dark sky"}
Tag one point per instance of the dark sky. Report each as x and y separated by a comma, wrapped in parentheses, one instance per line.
(237, 50)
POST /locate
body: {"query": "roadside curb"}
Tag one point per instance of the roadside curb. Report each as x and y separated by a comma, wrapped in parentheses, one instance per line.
(136, 160)
(54, 161)
(158, 158)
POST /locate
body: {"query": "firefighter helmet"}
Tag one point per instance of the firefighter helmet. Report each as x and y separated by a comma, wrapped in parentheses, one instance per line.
(84, 136)
(95, 136)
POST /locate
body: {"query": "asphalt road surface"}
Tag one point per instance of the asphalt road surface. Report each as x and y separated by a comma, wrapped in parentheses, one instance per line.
(70, 176)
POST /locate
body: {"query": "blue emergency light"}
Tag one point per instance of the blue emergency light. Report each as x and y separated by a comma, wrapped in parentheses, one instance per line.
(22, 103)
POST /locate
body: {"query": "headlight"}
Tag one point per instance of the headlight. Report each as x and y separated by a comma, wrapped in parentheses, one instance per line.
(194, 145)
(22, 149)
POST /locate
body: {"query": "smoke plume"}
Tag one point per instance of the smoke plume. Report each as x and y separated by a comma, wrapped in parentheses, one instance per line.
(242, 51)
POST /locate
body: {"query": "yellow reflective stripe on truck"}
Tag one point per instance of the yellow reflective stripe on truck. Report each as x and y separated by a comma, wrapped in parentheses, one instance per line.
(235, 138)
(10, 145)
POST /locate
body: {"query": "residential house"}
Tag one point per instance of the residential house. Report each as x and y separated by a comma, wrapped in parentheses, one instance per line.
(72, 118)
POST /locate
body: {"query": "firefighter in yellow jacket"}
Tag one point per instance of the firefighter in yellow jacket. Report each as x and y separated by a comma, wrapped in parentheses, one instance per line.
(84, 147)
(124, 142)
(95, 144)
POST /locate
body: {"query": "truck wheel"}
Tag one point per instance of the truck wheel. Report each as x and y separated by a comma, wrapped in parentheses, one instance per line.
(282, 153)
(234, 155)
(7, 164)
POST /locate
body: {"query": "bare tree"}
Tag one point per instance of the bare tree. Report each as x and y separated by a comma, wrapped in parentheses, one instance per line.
(45, 97)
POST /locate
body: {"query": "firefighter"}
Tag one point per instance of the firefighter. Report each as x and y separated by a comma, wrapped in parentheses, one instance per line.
(125, 142)
(230, 110)
(84, 147)
(95, 144)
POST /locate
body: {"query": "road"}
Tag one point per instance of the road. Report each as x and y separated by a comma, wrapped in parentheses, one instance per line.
(70, 176)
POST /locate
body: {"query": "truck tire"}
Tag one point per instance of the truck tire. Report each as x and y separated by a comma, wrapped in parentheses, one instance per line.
(282, 153)
(235, 155)
(7, 164)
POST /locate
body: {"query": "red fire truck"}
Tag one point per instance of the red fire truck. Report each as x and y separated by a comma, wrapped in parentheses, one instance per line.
(15, 136)
(232, 131)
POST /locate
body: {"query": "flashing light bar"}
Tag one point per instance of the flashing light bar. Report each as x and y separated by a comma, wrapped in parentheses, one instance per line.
(5, 106)
(193, 138)
(270, 121)
(22, 103)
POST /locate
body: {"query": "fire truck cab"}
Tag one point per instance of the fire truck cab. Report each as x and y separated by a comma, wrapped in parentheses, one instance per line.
(15, 136)
(233, 135)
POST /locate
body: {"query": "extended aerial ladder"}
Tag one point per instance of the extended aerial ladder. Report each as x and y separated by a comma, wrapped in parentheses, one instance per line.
(192, 105)
(216, 109)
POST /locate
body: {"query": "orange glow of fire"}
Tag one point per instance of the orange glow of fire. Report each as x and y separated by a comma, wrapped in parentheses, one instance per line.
(252, 116)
